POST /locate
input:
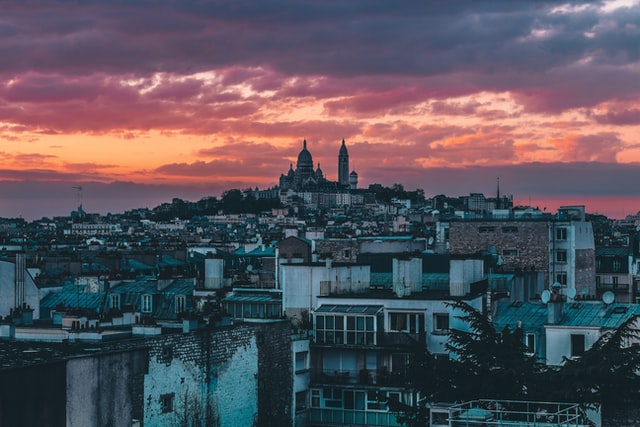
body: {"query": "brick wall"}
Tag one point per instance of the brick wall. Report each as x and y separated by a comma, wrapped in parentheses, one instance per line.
(234, 376)
(530, 240)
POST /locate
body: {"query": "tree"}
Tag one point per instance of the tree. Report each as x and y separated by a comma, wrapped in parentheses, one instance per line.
(605, 376)
(487, 364)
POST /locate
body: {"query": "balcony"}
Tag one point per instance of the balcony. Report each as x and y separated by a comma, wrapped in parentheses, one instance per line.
(615, 287)
(345, 417)
(380, 377)
(399, 340)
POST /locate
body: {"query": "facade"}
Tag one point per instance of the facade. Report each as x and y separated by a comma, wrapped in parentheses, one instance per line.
(223, 377)
(305, 177)
(560, 329)
(19, 295)
(563, 249)
(614, 273)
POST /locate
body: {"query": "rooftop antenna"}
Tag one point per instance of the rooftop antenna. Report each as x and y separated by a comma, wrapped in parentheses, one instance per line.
(498, 204)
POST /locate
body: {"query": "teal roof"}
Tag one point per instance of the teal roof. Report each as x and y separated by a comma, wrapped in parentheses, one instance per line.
(73, 296)
(169, 261)
(267, 251)
(386, 238)
(351, 309)
(245, 297)
(132, 264)
(533, 315)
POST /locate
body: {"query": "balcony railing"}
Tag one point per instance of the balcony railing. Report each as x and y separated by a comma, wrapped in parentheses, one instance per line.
(366, 339)
(380, 377)
(345, 417)
(612, 286)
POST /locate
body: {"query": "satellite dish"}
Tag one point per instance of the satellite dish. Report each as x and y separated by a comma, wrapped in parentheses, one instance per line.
(546, 296)
(556, 285)
(249, 268)
(608, 297)
(584, 292)
(571, 293)
(430, 241)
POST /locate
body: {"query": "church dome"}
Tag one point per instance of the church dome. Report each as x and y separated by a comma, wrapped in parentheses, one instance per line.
(305, 161)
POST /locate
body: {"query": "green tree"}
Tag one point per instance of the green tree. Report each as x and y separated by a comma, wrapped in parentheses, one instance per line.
(488, 364)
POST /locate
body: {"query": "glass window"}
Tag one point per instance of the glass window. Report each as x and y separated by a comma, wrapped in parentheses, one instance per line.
(561, 256)
(561, 233)
(301, 361)
(562, 278)
(577, 345)
(180, 303)
(115, 301)
(146, 303)
(530, 343)
(166, 402)
(315, 398)
(441, 322)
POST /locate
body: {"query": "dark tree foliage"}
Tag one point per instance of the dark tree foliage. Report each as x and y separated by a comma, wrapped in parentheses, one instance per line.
(487, 364)
(605, 375)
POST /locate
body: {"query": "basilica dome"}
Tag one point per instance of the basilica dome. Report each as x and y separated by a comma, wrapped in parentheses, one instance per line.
(305, 161)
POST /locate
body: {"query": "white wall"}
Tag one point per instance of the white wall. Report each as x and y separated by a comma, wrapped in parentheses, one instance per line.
(558, 341)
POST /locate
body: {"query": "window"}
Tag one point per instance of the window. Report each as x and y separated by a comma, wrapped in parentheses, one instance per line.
(617, 265)
(509, 252)
(301, 400)
(115, 301)
(333, 397)
(614, 280)
(315, 398)
(412, 323)
(180, 304)
(354, 400)
(330, 329)
(166, 402)
(562, 278)
(360, 330)
(301, 361)
(561, 233)
(530, 343)
(577, 345)
(485, 230)
(347, 253)
(510, 230)
(441, 322)
(561, 256)
(146, 303)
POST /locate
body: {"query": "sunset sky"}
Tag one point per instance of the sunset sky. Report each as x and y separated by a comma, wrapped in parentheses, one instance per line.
(139, 102)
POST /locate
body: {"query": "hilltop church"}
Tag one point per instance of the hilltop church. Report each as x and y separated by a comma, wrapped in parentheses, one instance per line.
(304, 177)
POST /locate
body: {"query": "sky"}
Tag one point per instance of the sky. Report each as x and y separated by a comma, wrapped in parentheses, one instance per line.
(138, 102)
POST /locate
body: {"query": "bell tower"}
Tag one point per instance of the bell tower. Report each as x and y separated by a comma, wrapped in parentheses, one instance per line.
(343, 165)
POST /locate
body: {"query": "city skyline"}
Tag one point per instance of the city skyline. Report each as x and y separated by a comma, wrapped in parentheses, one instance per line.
(140, 103)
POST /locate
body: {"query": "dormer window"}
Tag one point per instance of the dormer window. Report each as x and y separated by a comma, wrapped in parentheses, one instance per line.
(180, 303)
(146, 306)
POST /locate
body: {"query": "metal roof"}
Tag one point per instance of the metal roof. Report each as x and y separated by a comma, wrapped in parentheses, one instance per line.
(533, 315)
(350, 309)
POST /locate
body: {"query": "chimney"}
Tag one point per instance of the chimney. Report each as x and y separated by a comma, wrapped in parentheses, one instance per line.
(555, 309)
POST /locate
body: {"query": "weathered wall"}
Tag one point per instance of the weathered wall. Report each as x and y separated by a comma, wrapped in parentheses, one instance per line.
(586, 270)
(105, 390)
(222, 377)
(529, 238)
